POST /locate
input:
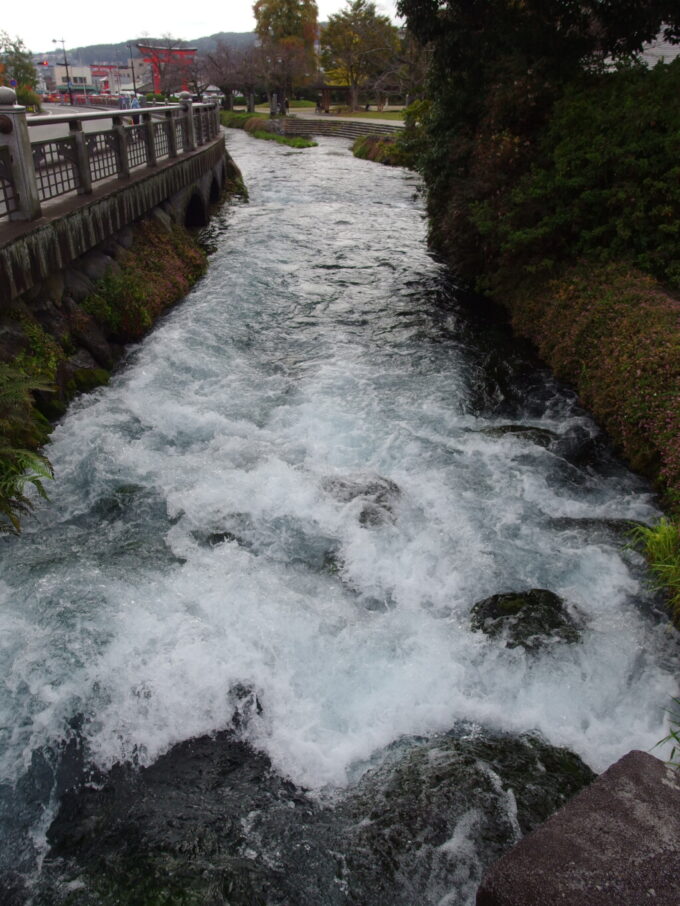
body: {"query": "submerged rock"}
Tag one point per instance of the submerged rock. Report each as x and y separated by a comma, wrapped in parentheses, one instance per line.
(528, 619)
(542, 437)
(378, 496)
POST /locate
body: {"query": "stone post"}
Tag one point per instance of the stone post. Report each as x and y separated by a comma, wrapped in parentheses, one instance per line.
(121, 138)
(187, 107)
(151, 159)
(172, 133)
(14, 135)
(82, 157)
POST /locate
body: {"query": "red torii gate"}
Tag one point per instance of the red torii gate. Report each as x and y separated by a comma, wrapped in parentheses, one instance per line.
(160, 57)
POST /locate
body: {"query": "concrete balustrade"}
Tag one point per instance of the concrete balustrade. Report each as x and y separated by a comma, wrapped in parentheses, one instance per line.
(36, 170)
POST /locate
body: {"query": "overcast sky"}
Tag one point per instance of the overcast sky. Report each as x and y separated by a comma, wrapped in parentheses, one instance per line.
(38, 21)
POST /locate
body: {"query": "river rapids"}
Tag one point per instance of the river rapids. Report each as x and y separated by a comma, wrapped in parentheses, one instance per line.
(240, 629)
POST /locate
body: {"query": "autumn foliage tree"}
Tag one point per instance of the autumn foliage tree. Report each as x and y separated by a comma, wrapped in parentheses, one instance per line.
(287, 30)
(358, 46)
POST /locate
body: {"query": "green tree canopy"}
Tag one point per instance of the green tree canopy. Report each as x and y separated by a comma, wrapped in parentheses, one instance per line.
(277, 20)
(17, 62)
(287, 30)
(358, 45)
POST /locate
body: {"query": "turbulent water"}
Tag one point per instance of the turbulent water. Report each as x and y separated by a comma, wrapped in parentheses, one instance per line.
(298, 486)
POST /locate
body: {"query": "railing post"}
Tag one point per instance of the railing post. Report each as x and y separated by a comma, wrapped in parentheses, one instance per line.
(121, 138)
(151, 160)
(187, 107)
(82, 157)
(14, 135)
(171, 132)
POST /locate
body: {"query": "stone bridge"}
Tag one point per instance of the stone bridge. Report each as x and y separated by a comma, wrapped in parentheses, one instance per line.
(71, 181)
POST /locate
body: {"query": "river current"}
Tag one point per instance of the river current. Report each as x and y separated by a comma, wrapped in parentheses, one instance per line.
(296, 488)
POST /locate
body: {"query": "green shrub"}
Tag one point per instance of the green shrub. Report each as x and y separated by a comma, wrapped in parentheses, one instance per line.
(237, 119)
(604, 183)
(27, 97)
(382, 149)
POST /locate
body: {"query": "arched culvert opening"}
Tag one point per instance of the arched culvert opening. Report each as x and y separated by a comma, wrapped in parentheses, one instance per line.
(214, 191)
(196, 214)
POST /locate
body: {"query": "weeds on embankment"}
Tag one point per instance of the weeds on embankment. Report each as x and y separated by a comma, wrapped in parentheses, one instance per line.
(260, 127)
(661, 546)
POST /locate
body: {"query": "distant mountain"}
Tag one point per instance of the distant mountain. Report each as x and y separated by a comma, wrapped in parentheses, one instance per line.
(119, 53)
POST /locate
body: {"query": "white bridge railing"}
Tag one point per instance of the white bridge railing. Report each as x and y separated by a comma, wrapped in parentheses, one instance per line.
(74, 157)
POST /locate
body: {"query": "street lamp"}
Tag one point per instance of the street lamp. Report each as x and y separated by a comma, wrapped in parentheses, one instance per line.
(68, 77)
(132, 67)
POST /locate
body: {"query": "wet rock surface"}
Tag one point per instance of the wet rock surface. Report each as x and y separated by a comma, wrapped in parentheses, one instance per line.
(529, 619)
(212, 823)
(377, 496)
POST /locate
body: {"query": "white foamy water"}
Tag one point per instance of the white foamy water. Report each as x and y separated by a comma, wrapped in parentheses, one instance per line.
(198, 534)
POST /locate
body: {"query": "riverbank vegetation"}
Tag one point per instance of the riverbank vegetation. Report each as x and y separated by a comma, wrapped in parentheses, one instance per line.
(550, 156)
(55, 347)
(22, 431)
(261, 127)
(382, 149)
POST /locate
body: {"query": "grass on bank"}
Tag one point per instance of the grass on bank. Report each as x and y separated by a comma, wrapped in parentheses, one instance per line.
(260, 127)
(661, 546)
(673, 735)
(293, 141)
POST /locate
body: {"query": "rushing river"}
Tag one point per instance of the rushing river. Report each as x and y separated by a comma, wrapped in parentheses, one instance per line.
(271, 527)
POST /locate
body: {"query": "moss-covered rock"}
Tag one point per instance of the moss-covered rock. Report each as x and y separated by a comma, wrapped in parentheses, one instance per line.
(528, 619)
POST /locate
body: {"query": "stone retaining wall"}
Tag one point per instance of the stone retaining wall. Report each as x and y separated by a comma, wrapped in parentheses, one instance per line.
(350, 129)
(32, 252)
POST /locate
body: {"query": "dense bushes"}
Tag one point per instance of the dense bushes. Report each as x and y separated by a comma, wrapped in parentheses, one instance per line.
(604, 184)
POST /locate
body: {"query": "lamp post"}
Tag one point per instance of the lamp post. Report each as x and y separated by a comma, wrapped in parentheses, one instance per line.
(68, 77)
(132, 67)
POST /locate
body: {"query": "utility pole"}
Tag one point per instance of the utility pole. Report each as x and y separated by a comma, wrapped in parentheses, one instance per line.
(132, 67)
(68, 77)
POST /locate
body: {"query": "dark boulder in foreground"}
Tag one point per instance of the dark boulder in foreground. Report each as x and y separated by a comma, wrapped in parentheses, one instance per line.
(528, 619)
(212, 823)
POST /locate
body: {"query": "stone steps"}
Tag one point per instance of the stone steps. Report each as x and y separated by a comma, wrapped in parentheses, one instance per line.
(351, 129)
